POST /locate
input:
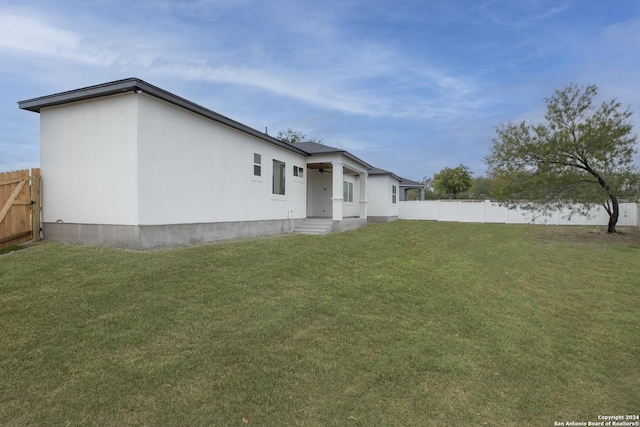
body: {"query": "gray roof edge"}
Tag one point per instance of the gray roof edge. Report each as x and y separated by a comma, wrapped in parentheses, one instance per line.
(333, 150)
(378, 171)
(96, 91)
(135, 84)
(411, 183)
(350, 156)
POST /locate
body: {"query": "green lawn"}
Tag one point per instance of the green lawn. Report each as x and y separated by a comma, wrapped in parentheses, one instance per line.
(401, 324)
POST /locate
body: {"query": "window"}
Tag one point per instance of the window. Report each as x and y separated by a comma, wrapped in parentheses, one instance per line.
(298, 171)
(257, 164)
(394, 192)
(278, 177)
(347, 193)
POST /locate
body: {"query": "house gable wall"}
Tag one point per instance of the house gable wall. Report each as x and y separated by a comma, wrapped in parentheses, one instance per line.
(88, 156)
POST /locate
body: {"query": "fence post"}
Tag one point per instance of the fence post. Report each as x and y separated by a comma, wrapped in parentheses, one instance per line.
(35, 206)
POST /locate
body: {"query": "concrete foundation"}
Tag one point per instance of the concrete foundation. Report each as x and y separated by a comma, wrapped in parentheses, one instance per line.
(142, 237)
(349, 224)
(121, 236)
(382, 218)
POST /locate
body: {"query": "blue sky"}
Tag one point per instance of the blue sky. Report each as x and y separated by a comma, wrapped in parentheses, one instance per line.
(408, 86)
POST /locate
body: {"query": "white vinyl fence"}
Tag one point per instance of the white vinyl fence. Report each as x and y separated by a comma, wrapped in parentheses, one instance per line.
(486, 211)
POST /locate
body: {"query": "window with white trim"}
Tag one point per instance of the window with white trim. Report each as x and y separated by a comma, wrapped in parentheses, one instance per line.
(298, 171)
(257, 164)
(394, 193)
(279, 169)
(347, 191)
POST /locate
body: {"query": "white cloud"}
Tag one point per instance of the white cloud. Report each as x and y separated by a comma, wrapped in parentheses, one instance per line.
(338, 91)
(30, 35)
(521, 13)
(27, 35)
(325, 67)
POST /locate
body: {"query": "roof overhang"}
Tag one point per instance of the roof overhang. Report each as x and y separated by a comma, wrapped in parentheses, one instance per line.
(404, 182)
(139, 86)
(381, 172)
(324, 152)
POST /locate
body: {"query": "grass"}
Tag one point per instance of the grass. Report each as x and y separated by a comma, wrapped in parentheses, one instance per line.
(408, 323)
(10, 248)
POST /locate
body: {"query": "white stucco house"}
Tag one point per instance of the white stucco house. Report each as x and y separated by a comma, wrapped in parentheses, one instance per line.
(382, 198)
(131, 165)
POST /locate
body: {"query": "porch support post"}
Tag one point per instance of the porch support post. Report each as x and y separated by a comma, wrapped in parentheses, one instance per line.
(337, 199)
(363, 195)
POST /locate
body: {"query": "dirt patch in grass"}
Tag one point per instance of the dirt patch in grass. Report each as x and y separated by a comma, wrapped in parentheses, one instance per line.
(597, 235)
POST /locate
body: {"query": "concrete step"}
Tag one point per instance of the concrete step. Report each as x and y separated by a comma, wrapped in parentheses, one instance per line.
(314, 226)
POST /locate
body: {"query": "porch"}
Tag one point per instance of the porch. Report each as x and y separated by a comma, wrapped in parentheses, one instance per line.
(337, 190)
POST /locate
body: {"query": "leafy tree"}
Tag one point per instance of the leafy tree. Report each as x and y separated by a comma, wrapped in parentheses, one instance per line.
(413, 194)
(291, 136)
(429, 192)
(581, 156)
(481, 188)
(452, 181)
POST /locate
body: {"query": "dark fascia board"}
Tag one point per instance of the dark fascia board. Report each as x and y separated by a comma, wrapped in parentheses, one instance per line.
(378, 171)
(105, 89)
(139, 86)
(317, 149)
(405, 182)
(346, 154)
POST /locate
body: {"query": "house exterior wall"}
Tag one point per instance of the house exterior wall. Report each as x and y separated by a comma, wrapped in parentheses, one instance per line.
(130, 170)
(88, 158)
(194, 170)
(380, 206)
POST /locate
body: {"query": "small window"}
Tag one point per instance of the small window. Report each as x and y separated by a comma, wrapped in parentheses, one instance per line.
(347, 193)
(298, 171)
(394, 192)
(278, 177)
(257, 164)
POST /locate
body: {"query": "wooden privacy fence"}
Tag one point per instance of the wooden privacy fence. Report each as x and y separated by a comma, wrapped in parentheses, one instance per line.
(19, 206)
